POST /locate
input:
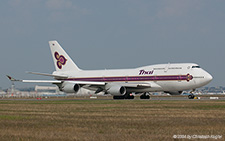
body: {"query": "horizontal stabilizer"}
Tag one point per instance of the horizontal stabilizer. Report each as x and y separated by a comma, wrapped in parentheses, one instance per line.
(12, 79)
(47, 74)
(34, 81)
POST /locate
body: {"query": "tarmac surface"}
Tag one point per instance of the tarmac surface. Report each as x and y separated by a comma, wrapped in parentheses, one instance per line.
(153, 98)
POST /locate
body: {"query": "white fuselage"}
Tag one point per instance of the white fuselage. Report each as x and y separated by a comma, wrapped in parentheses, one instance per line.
(162, 77)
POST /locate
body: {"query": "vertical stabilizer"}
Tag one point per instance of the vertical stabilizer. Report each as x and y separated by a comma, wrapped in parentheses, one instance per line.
(61, 59)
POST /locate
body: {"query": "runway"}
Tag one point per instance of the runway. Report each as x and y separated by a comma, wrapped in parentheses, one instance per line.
(186, 98)
(82, 98)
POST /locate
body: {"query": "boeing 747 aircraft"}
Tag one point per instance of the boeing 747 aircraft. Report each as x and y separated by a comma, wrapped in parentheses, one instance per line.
(121, 83)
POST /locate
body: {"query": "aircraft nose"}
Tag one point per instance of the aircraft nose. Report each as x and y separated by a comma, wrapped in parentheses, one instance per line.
(208, 78)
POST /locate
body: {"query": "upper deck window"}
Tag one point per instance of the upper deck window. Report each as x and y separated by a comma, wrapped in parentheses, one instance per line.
(175, 68)
(196, 67)
(158, 68)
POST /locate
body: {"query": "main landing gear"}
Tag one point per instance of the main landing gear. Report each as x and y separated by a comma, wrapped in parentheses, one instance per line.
(130, 96)
(126, 96)
(145, 96)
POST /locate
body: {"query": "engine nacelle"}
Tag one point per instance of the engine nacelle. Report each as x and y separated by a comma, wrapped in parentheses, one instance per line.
(174, 92)
(117, 90)
(71, 88)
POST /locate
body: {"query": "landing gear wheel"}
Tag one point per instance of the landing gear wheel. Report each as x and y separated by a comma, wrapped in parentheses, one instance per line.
(128, 96)
(145, 96)
(131, 97)
(191, 96)
(118, 97)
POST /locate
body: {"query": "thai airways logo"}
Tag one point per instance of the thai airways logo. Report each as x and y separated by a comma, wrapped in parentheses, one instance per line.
(144, 72)
(189, 77)
(61, 60)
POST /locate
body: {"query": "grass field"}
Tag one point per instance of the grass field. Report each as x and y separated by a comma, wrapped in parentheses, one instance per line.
(109, 119)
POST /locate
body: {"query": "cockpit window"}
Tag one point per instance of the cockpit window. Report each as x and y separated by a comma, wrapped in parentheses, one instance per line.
(196, 67)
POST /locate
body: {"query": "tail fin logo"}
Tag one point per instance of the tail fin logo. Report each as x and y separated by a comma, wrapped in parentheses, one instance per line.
(61, 60)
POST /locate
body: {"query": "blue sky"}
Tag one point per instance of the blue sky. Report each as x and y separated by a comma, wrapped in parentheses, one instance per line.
(103, 34)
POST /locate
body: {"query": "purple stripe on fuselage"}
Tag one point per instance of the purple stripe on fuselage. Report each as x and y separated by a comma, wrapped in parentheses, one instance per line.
(135, 78)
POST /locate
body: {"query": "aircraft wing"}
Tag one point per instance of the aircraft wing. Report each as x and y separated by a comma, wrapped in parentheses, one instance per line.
(34, 81)
(100, 86)
(92, 85)
(89, 83)
(57, 81)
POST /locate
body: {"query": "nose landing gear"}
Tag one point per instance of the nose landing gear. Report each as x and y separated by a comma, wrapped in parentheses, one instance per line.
(191, 96)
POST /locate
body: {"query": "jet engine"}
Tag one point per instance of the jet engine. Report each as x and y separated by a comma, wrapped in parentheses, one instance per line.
(117, 90)
(71, 88)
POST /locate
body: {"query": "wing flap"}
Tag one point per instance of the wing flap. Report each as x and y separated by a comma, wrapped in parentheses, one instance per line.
(136, 85)
(140, 85)
(88, 83)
